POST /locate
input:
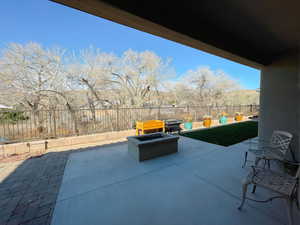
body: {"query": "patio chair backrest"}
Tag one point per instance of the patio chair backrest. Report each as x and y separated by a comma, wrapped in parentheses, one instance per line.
(281, 140)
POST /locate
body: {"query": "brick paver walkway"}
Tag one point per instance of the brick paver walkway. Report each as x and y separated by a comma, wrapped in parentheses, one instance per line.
(28, 189)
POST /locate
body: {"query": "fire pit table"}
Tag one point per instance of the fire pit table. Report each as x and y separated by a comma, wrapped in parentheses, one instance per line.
(149, 146)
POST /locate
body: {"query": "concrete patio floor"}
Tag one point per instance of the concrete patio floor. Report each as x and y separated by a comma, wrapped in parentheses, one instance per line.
(201, 184)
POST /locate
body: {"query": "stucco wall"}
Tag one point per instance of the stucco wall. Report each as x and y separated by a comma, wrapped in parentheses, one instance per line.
(279, 100)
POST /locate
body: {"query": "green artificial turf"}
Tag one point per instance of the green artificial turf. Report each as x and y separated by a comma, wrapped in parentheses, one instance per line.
(226, 135)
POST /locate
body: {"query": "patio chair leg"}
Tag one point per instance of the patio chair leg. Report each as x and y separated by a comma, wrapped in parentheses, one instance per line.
(257, 159)
(289, 203)
(245, 159)
(254, 189)
(265, 163)
(245, 187)
(269, 164)
(297, 199)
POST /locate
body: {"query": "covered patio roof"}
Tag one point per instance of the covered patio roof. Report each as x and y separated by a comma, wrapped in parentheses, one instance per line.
(253, 33)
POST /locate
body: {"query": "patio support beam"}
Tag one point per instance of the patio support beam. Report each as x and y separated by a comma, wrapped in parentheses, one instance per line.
(279, 99)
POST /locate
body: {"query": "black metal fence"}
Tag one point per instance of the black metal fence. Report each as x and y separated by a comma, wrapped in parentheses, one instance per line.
(28, 125)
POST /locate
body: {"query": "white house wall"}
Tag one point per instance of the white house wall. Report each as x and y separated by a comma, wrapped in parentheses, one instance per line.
(279, 100)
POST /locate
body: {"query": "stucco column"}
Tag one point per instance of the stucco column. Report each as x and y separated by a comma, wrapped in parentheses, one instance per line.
(279, 99)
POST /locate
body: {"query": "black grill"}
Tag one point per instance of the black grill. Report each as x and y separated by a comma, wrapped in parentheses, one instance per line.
(172, 125)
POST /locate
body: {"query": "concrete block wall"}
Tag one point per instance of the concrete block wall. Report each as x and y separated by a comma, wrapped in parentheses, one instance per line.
(66, 143)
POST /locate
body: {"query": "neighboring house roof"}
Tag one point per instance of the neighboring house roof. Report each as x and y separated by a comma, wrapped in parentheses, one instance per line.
(5, 107)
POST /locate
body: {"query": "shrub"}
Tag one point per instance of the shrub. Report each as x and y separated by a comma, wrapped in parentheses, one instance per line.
(12, 116)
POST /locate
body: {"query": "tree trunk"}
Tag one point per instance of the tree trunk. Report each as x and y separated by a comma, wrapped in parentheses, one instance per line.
(74, 118)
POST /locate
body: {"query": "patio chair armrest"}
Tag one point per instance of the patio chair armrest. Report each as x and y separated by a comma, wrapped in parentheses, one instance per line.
(296, 176)
(268, 149)
(291, 163)
(258, 144)
(287, 161)
(259, 141)
(260, 148)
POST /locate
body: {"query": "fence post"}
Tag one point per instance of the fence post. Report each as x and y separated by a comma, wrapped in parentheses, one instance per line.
(74, 117)
(159, 113)
(54, 123)
(118, 126)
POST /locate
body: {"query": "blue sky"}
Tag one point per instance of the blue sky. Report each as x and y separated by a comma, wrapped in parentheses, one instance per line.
(52, 24)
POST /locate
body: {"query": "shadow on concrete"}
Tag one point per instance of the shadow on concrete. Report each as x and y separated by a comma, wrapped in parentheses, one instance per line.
(29, 188)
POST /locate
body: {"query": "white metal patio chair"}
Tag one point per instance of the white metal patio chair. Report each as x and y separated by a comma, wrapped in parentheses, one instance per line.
(276, 148)
(281, 183)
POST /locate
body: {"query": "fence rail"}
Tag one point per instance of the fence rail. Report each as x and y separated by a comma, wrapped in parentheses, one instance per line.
(45, 124)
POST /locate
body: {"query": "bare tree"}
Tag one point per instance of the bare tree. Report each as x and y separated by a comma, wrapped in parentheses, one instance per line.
(130, 80)
(35, 78)
(89, 72)
(210, 87)
(137, 77)
(179, 93)
(28, 70)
